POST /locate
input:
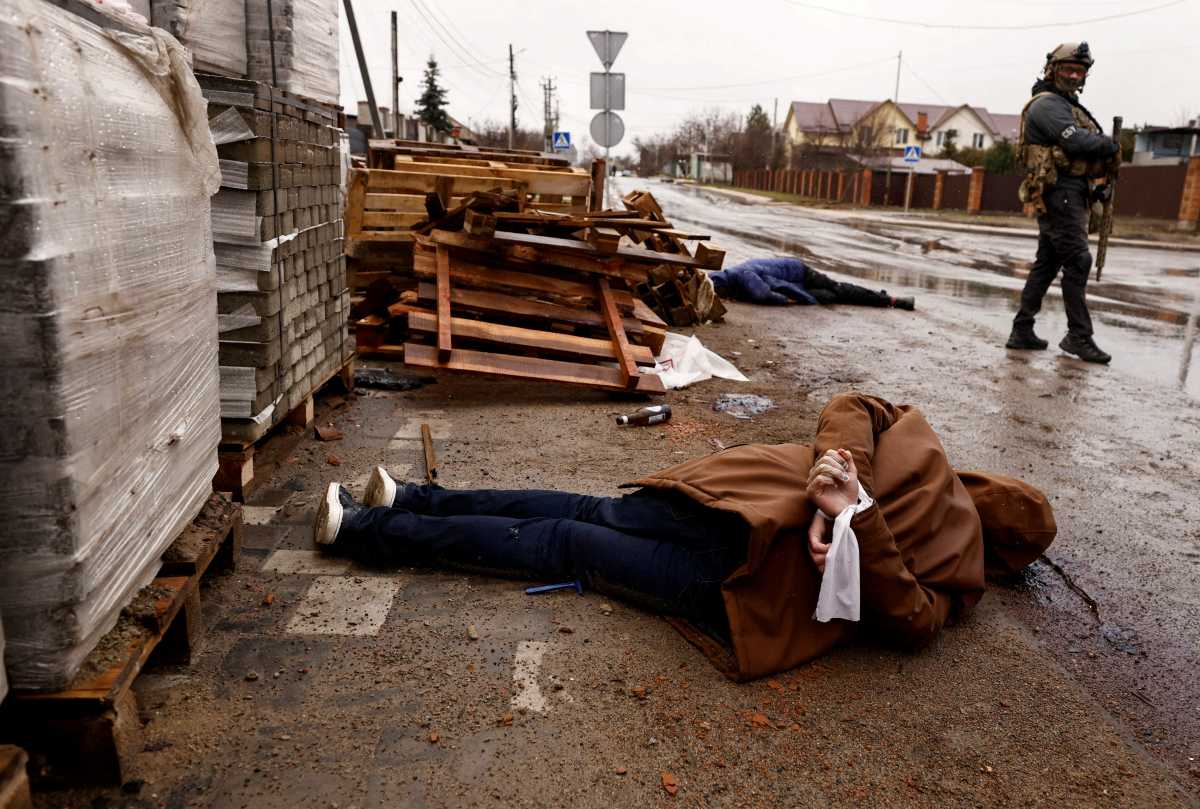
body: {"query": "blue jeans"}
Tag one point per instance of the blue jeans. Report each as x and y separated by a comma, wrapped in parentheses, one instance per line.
(658, 550)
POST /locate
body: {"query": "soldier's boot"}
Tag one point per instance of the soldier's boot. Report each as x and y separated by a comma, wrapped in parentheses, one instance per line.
(1085, 348)
(1023, 337)
(908, 304)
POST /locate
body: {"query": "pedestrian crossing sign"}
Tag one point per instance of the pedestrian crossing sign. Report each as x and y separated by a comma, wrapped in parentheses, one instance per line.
(912, 154)
(562, 141)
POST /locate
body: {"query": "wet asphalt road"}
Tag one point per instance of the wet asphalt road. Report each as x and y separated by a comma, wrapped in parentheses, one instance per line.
(1117, 447)
(1140, 308)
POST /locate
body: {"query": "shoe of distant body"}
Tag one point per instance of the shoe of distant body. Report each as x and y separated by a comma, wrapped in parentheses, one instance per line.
(336, 506)
(1024, 338)
(1085, 348)
(381, 489)
(908, 304)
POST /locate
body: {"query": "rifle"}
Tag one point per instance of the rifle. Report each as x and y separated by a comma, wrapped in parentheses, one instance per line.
(1106, 222)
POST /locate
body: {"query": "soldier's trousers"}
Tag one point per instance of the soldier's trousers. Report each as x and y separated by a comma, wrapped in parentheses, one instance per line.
(1062, 244)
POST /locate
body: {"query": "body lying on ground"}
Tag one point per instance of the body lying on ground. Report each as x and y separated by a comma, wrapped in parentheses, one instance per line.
(786, 279)
(731, 547)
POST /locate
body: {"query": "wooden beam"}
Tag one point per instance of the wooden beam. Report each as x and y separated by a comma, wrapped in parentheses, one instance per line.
(616, 332)
(537, 182)
(477, 223)
(421, 320)
(417, 182)
(430, 459)
(594, 376)
(584, 248)
(510, 305)
(710, 256)
(464, 271)
(443, 304)
(356, 192)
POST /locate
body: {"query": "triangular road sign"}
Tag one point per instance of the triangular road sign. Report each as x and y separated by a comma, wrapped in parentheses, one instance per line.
(607, 44)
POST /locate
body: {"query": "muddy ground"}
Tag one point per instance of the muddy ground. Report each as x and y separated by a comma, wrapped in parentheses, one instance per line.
(364, 688)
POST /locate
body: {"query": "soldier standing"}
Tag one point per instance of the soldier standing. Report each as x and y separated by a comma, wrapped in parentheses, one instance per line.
(1063, 149)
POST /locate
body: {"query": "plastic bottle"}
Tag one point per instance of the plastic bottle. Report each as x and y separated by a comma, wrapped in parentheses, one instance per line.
(644, 417)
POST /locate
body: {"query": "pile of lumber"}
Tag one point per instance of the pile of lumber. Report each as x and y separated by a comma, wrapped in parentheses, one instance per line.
(281, 272)
(508, 290)
(386, 200)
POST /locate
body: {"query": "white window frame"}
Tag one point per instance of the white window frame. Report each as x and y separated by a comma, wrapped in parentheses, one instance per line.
(977, 140)
(901, 136)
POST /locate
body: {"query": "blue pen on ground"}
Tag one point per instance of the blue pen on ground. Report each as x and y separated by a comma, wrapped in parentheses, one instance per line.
(550, 588)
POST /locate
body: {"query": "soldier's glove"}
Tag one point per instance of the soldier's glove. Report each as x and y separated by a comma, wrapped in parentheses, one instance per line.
(1095, 217)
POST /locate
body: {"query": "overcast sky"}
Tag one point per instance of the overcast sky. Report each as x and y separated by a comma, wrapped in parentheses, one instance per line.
(684, 57)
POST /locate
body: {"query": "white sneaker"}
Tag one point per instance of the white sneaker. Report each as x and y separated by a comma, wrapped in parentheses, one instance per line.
(329, 517)
(381, 489)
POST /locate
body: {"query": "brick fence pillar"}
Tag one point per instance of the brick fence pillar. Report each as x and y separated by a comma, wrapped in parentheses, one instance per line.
(939, 186)
(865, 197)
(1189, 202)
(975, 193)
(841, 175)
(792, 184)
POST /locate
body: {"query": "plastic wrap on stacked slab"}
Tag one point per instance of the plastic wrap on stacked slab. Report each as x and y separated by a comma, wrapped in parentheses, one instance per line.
(213, 30)
(282, 294)
(306, 46)
(108, 333)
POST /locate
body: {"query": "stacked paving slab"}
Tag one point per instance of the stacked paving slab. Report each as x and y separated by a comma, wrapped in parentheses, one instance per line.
(282, 299)
(108, 324)
(213, 30)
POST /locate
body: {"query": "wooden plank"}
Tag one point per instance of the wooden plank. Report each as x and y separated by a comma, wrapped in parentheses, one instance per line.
(616, 332)
(409, 203)
(420, 320)
(606, 240)
(647, 315)
(599, 176)
(443, 304)
(537, 182)
(480, 362)
(466, 272)
(355, 198)
(710, 256)
(478, 223)
(584, 248)
(390, 219)
(417, 182)
(430, 459)
(501, 304)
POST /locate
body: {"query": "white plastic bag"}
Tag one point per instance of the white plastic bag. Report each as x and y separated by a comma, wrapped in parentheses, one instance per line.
(685, 361)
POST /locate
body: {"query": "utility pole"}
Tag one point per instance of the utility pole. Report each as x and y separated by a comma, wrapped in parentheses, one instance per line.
(887, 184)
(395, 81)
(774, 133)
(512, 92)
(376, 121)
(549, 117)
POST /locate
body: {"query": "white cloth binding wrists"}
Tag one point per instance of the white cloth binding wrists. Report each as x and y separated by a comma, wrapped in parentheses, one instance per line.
(841, 583)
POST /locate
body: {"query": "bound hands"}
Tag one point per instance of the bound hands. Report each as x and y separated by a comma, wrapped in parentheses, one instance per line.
(832, 487)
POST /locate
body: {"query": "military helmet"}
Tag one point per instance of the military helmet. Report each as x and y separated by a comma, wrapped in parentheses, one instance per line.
(1071, 52)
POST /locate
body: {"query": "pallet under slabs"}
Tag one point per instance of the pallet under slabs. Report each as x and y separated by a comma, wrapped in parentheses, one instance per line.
(87, 732)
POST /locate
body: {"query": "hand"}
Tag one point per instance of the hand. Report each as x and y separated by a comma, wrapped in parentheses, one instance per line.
(818, 548)
(1115, 161)
(833, 482)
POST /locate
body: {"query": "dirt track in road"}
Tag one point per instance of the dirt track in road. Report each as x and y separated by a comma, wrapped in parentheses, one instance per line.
(367, 690)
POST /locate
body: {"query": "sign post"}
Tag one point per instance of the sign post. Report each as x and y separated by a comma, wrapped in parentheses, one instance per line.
(912, 156)
(607, 94)
(561, 141)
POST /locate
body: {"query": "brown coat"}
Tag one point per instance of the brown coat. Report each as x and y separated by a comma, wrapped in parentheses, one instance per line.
(921, 548)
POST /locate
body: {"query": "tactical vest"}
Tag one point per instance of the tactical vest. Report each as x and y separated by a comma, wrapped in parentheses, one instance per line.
(1043, 164)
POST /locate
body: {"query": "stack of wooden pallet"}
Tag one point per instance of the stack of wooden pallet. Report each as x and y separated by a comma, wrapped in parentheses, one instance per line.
(513, 291)
(385, 201)
(282, 294)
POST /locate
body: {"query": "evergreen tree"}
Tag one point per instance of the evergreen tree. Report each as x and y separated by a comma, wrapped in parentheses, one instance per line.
(431, 106)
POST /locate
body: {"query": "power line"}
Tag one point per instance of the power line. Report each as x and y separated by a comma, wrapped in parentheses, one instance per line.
(953, 27)
(928, 86)
(784, 78)
(436, 32)
(463, 48)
